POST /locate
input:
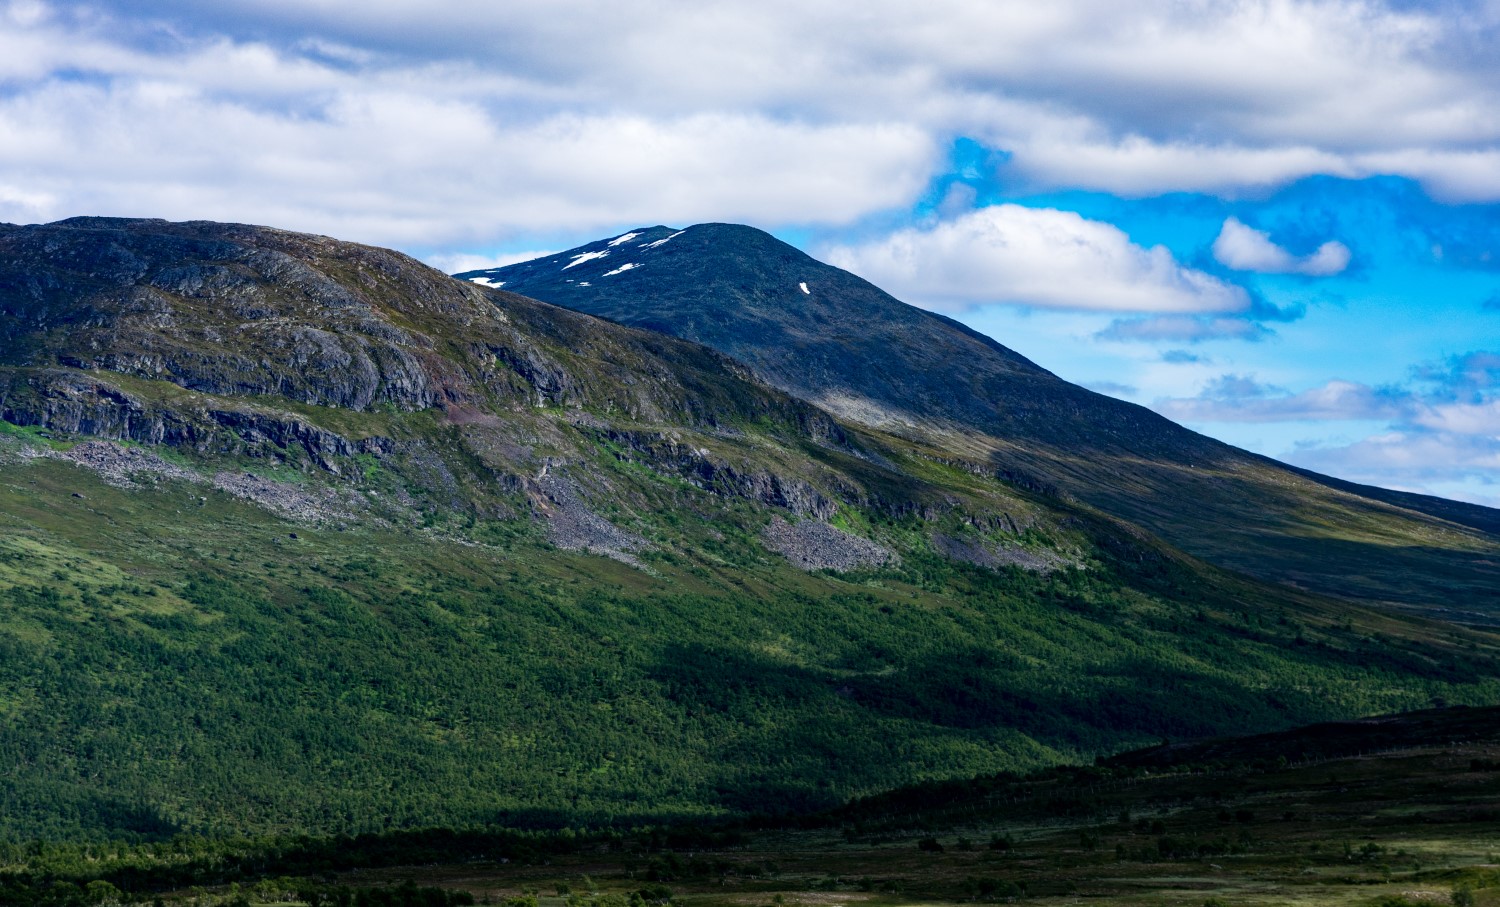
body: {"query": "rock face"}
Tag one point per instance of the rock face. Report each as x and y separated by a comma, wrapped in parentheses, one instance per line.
(833, 339)
(250, 312)
(813, 545)
(128, 467)
(573, 526)
(982, 554)
(235, 343)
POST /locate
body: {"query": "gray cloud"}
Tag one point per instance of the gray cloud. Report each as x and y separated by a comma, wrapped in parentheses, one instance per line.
(476, 122)
(1112, 388)
(1181, 357)
(1465, 464)
(1184, 329)
(1443, 427)
(1443, 436)
(1238, 398)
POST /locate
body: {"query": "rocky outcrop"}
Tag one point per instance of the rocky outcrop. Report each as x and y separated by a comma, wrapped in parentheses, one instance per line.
(701, 469)
(240, 311)
(573, 526)
(77, 403)
(814, 545)
(995, 556)
(128, 467)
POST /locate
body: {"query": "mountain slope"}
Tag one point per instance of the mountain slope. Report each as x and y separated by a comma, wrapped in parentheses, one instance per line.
(833, 339)
(300, 535)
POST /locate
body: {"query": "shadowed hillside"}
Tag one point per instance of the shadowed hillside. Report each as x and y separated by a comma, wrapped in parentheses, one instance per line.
(828, 337)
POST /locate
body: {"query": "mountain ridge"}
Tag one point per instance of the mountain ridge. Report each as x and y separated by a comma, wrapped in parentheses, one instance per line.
(299, 535)
(879, 362)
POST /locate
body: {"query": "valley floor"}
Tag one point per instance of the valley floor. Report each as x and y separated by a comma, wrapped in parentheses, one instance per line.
(1412, 826)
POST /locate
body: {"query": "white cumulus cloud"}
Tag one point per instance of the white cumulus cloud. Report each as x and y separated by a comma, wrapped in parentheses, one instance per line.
(1245, 248)
(1034, 257)
(441, 122)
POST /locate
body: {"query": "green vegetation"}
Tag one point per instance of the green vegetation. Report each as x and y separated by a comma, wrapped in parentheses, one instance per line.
(1410, 826)
(394, 553)
(173, 662)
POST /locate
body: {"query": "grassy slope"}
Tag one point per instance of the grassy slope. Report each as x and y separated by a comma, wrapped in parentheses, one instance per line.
(174, 659)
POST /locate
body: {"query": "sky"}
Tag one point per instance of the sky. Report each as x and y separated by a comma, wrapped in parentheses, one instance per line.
(1276, 222)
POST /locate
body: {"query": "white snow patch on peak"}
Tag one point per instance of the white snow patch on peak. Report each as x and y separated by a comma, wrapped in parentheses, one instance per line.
(619, 239)
(805, 289)
(582, 257)
(622, 268)
(487, 282)
(652, 245)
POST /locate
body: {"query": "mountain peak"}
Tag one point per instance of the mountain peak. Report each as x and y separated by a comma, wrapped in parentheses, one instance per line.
(812, 329)
(838, 341)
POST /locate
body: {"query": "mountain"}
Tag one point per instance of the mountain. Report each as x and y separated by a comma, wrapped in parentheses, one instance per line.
(299, 535)
(833, 339)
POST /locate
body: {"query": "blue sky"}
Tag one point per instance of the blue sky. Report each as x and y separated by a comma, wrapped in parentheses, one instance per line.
(1276, 221)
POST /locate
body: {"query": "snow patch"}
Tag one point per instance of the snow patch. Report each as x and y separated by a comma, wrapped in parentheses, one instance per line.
(652, 245)
(582, 257)
(805, 289)
(619, 239)
(622, 268)
(487, 282)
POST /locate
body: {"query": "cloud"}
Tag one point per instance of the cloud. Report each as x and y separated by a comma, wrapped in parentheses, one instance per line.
(1034, 257)
(1451, 174)
(1184, 329)
(580, 115)
(1461, 418)
(1442, 427)
(1247, 249)
(1492, 304)
(1237, 398)
(1112, 388)
(1443, 431)
(1397, 457)
(1181, 357)
(458, 262)
(1135, 165)
(432, 169)
(1469, 377)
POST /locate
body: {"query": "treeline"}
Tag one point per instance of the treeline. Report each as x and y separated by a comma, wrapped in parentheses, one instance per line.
(32, 873)
(284, 890)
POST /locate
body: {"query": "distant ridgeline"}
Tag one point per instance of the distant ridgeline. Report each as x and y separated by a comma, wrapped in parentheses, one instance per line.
(298, 535)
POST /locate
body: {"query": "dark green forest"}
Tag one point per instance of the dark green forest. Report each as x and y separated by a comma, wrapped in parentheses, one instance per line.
(236, 677)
